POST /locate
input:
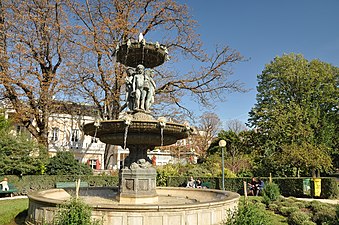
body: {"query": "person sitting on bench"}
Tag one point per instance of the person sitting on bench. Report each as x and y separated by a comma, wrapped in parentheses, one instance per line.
(4, 184)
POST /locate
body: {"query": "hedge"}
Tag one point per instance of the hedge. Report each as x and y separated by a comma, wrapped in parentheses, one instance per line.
(288, 186)
(31, 183)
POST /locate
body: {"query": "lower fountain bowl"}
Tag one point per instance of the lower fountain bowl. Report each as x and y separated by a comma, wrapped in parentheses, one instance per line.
(180, 206)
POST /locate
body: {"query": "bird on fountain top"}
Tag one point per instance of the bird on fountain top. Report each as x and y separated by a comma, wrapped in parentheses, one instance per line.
(141, 37)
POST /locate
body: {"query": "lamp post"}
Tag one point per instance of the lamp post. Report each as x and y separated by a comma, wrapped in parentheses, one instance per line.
(222, 144)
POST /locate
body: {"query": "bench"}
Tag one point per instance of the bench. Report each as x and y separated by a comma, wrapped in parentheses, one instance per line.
(12, 189)
(70, 184)
(206, 185)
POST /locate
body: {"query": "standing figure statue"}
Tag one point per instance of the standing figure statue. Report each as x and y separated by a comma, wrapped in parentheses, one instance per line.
(138, 86)
(130, 93)
(149, 89)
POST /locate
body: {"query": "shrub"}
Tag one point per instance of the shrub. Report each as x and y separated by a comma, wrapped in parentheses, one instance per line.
(287, 211)
(273, 207)
(270, 193)
(315, 205)
(299, 204)
(298, 218)
(74, 212)
(248, 214)
(308, 222)
(64, 163)
(324, 215)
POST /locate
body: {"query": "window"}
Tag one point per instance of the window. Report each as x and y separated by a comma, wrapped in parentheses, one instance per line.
(75, 135)
(94, 140)
(93, 163)
(19, 129)
(75, 138)
(55, 134)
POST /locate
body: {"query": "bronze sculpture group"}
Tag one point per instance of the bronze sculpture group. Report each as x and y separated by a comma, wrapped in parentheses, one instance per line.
(140, 88)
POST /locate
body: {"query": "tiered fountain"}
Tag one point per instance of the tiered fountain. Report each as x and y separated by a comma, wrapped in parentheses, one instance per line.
(137, 201)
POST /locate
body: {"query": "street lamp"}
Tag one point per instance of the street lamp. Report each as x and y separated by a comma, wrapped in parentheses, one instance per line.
(222, 144)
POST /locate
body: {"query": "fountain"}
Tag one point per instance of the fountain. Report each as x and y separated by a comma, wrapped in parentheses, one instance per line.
(137, 200)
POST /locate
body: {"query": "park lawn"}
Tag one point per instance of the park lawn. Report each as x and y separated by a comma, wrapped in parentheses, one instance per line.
(11, 208)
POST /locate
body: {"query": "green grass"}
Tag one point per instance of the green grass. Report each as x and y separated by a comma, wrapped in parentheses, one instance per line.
(11, 208)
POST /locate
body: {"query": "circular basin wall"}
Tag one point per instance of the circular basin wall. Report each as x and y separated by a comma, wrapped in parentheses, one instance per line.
(179, 206)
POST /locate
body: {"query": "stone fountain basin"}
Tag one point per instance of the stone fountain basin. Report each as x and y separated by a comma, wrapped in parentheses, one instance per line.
(139, 132)
(180, 206)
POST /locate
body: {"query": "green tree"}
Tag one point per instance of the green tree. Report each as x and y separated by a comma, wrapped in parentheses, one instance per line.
(236, 154)
(19, 155)
(296, 105)
(64, 163)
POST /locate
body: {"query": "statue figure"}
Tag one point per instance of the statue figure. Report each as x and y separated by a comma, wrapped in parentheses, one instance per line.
(130, 94)
(138, 86)
(149, 89)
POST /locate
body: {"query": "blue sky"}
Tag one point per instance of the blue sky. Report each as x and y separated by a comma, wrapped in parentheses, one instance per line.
(261, 30)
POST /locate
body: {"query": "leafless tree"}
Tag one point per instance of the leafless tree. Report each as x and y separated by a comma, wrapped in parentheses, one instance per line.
(236, 126)
(207, 130)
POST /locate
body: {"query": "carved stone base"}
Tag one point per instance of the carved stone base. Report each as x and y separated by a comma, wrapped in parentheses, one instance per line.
(137, 185)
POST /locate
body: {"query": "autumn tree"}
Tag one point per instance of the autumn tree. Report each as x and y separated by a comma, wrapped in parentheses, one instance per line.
(33, 46)
(297, 107)
(102, 25)
(66, 49)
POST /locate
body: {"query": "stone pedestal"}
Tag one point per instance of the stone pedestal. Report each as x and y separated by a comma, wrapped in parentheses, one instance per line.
(137, 185)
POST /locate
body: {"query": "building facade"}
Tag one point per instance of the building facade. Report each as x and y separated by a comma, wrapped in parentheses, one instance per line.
(65, 134)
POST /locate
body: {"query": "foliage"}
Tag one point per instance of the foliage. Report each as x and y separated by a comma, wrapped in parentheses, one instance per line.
(329, 188)
(210, 168)
(64, 163)
(270, 192)
(305, 212)
(298, 218)
(68, 48)
(306, 156)
(75, 211)
(273, 207)
(296, 112)
(30, 183)
(11, 208)
(324, 215)
(287, 211)
(248, 214)
(237, 158)
(177, 174)
(19, 155)
(166, 171)
(289, 186)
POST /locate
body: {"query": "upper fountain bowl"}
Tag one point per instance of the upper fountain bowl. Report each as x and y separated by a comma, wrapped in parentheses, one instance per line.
(138, 132)
(148, 54)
